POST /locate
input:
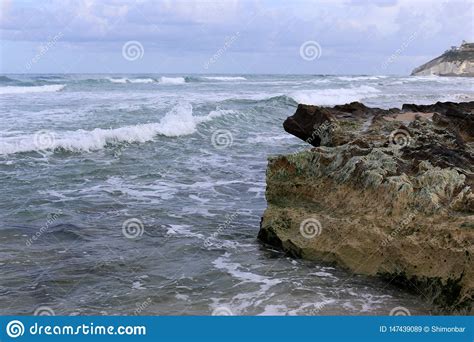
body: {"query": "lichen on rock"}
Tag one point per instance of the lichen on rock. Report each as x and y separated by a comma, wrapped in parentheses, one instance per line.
(393, 200)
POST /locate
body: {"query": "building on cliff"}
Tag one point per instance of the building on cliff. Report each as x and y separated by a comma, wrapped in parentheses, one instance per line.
(457, 61)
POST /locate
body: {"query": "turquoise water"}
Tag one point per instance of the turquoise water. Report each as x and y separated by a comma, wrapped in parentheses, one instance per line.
(142, 194)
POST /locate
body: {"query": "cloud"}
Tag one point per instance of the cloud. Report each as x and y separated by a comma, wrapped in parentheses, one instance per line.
(347, 29)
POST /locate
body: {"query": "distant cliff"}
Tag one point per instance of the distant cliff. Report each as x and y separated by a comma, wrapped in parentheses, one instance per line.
(458, 61)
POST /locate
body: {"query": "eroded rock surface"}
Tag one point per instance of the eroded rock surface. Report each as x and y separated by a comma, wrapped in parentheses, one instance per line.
(383, 192)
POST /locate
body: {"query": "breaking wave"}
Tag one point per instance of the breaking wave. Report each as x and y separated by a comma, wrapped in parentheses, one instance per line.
(177, 122)
(225, 78)
(34, 89)
(131, 80)
(5, 79)
(335, 96)
(360, 78)
(172, 80)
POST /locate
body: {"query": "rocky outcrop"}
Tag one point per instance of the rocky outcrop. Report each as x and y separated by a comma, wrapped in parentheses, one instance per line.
(383, 192)
(458, 61)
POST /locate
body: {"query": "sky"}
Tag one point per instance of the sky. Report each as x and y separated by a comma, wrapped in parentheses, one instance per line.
(229, 36)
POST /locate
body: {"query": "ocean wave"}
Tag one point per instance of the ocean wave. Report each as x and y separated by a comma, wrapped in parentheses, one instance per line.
(33, 89)
(261, 99)
(360, 78)
(131, 80)
(239, 272)
(162, 80)
(177, 122)
(459, 97)
(48, 77)
(141, 80)
(429, 78)
(432, 78)
(225, 78)
(316, 81)
(335, 96)
(118, 80)
(172, 80)
(5, 79)
(244, 274)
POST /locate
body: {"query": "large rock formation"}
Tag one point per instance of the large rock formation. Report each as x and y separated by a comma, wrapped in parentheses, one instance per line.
(384, 192)
(458, 61)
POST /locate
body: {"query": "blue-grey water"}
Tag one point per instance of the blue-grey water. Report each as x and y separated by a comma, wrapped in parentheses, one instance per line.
(142, 194)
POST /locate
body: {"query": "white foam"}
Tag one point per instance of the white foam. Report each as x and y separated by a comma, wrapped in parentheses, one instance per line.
(247, 299)
(312, 308)
(259, 139)
(215, 114)
(458, 97)
(178, 122)
(360, 78)
(225, 78)
(334, 96)
(131, 80)
(274, 310)
(154, 193)
(172, 80)
(137, 285)
(434, 78)
(234, 269)
(118, 80)
(177, 229)
(317, 81)
(141, 80)
(34, 89)
(182, 297)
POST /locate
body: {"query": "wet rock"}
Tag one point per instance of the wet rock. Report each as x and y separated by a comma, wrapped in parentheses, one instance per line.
(310, 123)
(392, 198)
(458, 116)
(459, 109)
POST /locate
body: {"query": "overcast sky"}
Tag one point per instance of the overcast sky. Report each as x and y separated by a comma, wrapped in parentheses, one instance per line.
(246, 36)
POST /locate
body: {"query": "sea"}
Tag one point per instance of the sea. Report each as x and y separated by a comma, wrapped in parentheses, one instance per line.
(142, 194)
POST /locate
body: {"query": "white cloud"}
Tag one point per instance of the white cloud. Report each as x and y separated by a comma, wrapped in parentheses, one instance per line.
(195, 29)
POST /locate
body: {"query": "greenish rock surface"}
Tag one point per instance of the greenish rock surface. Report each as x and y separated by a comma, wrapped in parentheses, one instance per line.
(394, 199)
